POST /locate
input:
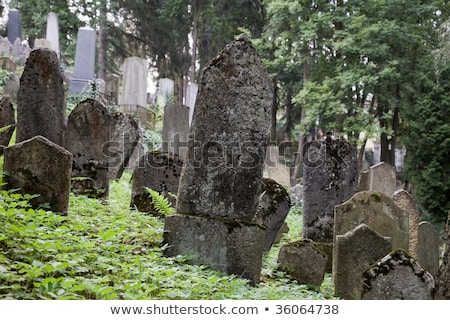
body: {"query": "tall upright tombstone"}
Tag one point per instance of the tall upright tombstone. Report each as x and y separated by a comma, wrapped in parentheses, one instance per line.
(191, 97)
(84, 68)
(52, 31)
(40, 100)
(220, 185)
(14, 26)
(175, 129)
(134, 81)
(88, 132)
(330, 175)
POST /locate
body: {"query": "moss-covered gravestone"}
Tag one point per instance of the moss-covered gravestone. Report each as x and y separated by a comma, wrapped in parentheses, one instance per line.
(7, 121)
(397, 276)
(330, 176)
(221, 182)
(39, 167)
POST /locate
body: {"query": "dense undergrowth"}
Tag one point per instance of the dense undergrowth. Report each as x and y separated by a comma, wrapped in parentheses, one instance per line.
(104, 250)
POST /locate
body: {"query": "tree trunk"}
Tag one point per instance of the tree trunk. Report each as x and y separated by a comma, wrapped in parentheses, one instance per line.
(273, 120)
(102, 42)
(301, 138)
(196, 16)
(288, 117)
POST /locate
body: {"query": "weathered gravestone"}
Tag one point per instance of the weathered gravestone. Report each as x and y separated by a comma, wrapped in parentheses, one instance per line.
(428, 251)
(12, 86)
(397, 276)
(42, 43)
(354, 252)
(5, 47)
(383, 178)
(273, 208)
(7, 121)
(124, 138)
(20, 51)
(39, 166)
(221, 182)
(88, 132)
(330, 176)
(303, 262)
(40, 100)
(84, 67)
(191, 97)
(134, 84)
(377, 211)
(7, 64)
(405, 201)
(175, 129)
(14, 25)
(52, 31)
(159, 171)
(442, 289)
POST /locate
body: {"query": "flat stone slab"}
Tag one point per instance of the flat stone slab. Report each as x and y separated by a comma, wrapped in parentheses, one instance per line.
(225, 246)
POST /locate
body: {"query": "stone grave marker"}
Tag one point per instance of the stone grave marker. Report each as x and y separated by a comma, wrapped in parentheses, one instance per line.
(124, 138)
(52, 32)
(12, 86)
(134, 84)
(442, 288)
(428, 250)
(40, 100)
(84, 67)
(405, 201)
(39, 166)
(397, 276)
(303, 262)
(20, 52)
(43, 43)
(273, 208)
(354, 252)
(7, 64)
(383, 178)
(220, 185)
(377, 211)
(5, 47)
(191, 97)
(175, 129)
(330, 177)
(157, 170)
(7, 121)
(14, 26)
(88, 132)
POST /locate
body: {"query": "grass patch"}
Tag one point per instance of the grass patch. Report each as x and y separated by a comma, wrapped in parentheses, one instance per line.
(105, 250)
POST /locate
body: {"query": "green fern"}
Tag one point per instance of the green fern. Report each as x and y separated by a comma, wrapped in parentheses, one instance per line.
(160, 203)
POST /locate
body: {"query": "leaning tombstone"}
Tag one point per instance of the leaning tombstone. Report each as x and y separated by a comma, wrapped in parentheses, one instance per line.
(405, 201)
(330, 178)
(377, 211)
(303, 262)
(159, 171)
(221, 182)
(354, 252)
(442, 289)
(40, 167)
(40, 100)
(428, 251)
(7, 121)
(175, 129)
(124, 138)
(88, 132)
(397, 276)
(84, 66)
(273, 208)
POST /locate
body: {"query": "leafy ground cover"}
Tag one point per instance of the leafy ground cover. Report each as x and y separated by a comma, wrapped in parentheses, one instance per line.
(104, 250)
